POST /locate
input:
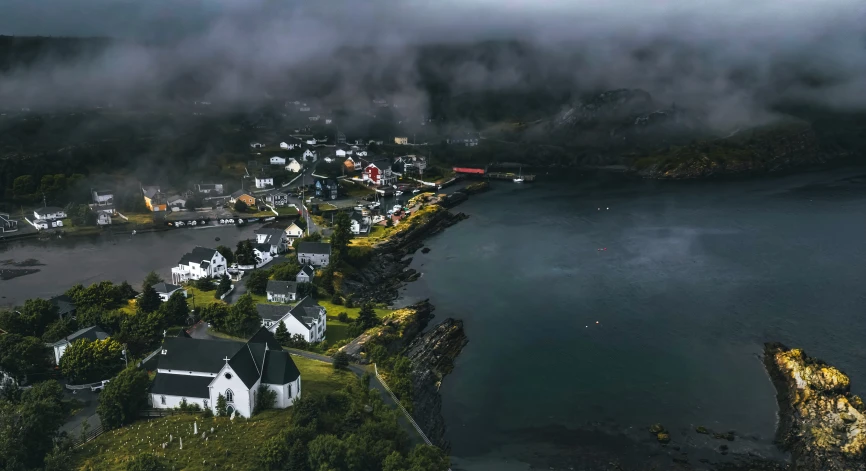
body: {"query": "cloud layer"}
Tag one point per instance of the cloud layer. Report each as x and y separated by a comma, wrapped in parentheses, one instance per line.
(734, 57)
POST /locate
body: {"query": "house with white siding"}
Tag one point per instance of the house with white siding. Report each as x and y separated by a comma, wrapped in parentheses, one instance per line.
(201, 263)
(49, 213)
(199, 371)
(293, 166)
(306, 318)
(294, 231)
(277, 160)
(306, 274)
(281, 291)
(90, 333)
(165, 290)
(317, 254)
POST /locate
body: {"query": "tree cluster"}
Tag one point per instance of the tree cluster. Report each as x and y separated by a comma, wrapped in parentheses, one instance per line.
(240, 319)
(86, 361)
(347, 430)
(30, 427)
(122, 398)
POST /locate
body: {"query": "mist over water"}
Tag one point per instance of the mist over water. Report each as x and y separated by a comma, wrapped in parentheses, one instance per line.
(665, 325)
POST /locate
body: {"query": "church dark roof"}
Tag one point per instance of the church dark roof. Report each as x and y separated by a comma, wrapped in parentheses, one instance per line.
(202, 355)
(181, 385)
(197, 255)
(279, 368)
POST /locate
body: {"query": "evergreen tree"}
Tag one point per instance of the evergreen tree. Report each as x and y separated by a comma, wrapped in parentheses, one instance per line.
(227, 253)
(367, 316)
(244, 254)
(282, 334)
(123, 397)
(175, 310)
(327, 280)
(149, 300)
(151, 279)
(341, 360)
(221, 407)
(125, 291)
(224, 286)
(243, 316)
(257, 283)
(341, 236)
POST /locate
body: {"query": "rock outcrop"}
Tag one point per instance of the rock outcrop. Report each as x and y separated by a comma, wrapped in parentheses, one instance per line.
(821, 422)
(433, 355)
(396, 332)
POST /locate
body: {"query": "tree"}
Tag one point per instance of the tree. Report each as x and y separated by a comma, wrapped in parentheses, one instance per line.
(149, 300)
(175, 310)
(265, 399)
(243, 316)
(327, 452)
(82, 215)
(428, 458)
(125, 291)
(224, 286)
(204, 284)
(87, 361)
(240, 206)
(122, 398)
(151, 279)
(327, 279)
(282, 334)
(287, 271)
(59, 329)
(341, 236)
(306, 289)
(102, 295)
(216, 314)
(35, 316)
(394, 462)
(367, 316)
(141, 332)
(20, 356)
(245, 255)
(337, 300)
(193, 203)
(257, 283)
(341, 360)
(227, 253)
(221, 407)
(343, 317)
(29, 426)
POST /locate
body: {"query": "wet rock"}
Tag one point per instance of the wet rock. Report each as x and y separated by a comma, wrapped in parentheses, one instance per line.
(663, 437)
(702, 429)
(425, 250)
(729, 436)
(821, 423)
(656, 429)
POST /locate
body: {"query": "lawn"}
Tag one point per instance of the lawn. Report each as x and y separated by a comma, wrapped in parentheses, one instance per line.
(356, 190)
(138, 218)
(232, 444)
(197, 298)
(327, 207)
(287, 211)
(377, 234)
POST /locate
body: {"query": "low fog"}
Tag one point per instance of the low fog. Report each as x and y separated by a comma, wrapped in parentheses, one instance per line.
(734, 59)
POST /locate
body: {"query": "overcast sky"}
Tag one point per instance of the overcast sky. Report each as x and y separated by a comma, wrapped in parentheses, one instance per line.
(761, 36)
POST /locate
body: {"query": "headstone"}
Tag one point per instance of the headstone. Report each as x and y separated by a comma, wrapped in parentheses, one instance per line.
(181, 442)
(195, 428)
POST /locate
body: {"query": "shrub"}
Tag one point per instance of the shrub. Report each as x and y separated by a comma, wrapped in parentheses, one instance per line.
(337, 300)
(343, 317)
(350, 303)
(341, 361)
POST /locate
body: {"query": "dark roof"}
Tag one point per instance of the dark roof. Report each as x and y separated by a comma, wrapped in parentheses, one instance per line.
(356, 216)
(271, 232)
(245, 365)
(64, 304)
(196, 354)
(150, 191)
(279, 368)
(314, 247)
(165, 287)
(104, 192)
(197, 255)
(47, 210)
(381, 163)
(240, 193)
(91, 333)
(271, 312)
(183, 333)
(181, 385)
(262, 247)
(308, 269)
(281, 287)
(263, 335)
(306, 311)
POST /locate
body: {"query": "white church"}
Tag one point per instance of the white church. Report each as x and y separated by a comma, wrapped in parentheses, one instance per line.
(199, 370)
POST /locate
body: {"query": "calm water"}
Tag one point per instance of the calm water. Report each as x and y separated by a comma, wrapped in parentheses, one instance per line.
(570, 344)
(115, 258)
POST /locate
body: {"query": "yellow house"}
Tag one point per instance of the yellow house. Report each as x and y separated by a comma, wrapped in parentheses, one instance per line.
(154, 199)
(401, 140)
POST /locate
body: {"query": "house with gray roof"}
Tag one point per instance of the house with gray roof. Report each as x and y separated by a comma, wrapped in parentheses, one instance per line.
(317, 254)
(90, 333)
(306, 318)
(201, 263)
(199, 371)
(165, 290)
(306, 274)
(281, 291)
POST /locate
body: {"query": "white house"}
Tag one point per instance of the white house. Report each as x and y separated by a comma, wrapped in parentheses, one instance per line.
(277, 160)
(199, 371)
(309, 155)
(305, 275)
(263, 181)
(49, 212)
(306, 318)
(176, 202)
(90, 333)
(263, 254)
(294, 231)
(379, 173)
(293, 166)
(286, 146)
(317, 254)
(275, 238)
(103, 197)
(208, 188)
(165, 290)
(202, 262)
(256, 145)
(360, 224)
(102, 218)
(341, 153)
(47, 223)
(281, 291)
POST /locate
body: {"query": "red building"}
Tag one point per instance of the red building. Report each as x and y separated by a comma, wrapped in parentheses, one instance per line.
(379, 173)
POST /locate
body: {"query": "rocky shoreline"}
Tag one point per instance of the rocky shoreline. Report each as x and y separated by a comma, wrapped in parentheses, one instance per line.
(820, 421)
(433, 353)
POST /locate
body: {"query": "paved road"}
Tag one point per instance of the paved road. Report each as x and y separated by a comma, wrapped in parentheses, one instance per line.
(306, 177)
(87, 413)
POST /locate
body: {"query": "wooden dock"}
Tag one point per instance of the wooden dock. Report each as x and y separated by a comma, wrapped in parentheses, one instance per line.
(509, 176)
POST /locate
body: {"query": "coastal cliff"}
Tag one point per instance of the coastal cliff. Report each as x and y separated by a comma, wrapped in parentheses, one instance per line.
(820, 421)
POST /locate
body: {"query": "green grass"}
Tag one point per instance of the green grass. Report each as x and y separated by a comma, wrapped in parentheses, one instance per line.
(356, 190)
(138, 218)
(287, 211)
(202, 298)
(327, 207)
(242, 438)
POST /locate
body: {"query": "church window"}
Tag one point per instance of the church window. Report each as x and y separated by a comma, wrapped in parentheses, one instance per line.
(230, 396)
(205, 403)
(162, 400)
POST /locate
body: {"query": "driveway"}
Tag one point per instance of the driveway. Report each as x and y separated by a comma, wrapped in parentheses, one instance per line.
(241, 285)
(89, 400)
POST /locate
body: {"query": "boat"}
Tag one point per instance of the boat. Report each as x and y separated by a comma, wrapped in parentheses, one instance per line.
(519, 178)
(133, 232)
(416, 191)
(398, 193)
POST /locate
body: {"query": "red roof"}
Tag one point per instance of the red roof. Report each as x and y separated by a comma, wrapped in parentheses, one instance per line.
(479, 171)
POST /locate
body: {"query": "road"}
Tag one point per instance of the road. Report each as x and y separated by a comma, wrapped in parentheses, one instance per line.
(241, 285)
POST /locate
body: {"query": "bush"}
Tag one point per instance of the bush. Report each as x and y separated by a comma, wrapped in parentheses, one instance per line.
(337, 300)
(204, 284)
(343, 317)
(187, 407)
(123, 398)
(265, 399)
(350, 303)
(341, 361)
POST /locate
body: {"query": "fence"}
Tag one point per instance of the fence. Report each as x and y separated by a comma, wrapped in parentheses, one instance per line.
(78, 387)
(397, 401)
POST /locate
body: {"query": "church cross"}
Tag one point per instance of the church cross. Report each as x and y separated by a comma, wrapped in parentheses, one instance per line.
(226, 359)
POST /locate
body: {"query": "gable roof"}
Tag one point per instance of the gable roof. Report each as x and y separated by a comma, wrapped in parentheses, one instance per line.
(271, 312)
(244, 364)
(47, 210)
(181, 385)
(307, 269)
(197, 255)
(150, 191)
(314, 248)
(279, 368)
(165, 287)
(265, 336)
(306, 311)
(202, 355)
(270, 233)
(64, 304)
(282, 287)
(240, 193)
(90, 333)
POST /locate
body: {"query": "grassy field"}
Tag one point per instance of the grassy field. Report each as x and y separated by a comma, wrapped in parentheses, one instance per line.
(138, 218)
(356, 190)
(232, 445)
(377, 234)
(287, 211)
(197, 298)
